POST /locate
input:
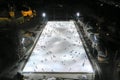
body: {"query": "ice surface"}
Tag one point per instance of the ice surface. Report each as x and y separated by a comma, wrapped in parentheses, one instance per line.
(59, 49)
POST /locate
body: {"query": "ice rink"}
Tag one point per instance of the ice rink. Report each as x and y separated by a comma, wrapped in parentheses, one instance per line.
(59, 49)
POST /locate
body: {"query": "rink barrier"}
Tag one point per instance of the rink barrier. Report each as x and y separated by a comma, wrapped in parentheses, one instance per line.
(93, 61)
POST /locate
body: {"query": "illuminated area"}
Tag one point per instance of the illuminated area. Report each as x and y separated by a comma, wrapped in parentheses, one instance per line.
(59, 49)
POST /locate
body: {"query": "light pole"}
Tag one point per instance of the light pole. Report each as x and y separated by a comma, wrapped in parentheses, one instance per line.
(77, 15)
(43, 14)
(44, 17)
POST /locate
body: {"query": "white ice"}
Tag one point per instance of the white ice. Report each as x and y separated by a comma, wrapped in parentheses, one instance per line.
(59, 49)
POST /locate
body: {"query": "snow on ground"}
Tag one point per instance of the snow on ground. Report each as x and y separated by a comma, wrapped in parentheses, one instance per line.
(59, 49)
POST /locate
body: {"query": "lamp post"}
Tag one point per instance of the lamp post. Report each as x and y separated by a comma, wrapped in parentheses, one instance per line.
(44, 17)
(43, 14)
(77, 15)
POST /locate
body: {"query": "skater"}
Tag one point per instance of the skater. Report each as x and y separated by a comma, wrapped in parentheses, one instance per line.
(36, 67)
(54, 56)
(42, 69)
(52, 70)
(64, 55)
(65, 48)
(71, 51)
(41, 61)
(74, 60)
(51, 58)
(70, 69)
(45, 59)
(62, 62)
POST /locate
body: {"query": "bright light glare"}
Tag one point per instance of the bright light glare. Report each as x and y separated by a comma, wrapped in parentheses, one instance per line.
(43, 14)
(78, 14)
